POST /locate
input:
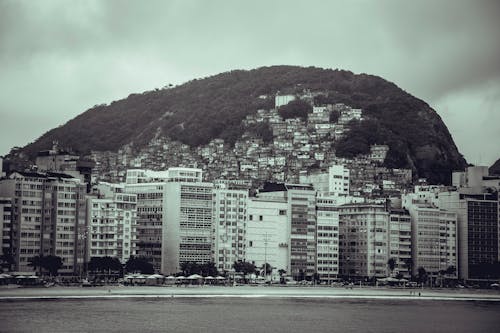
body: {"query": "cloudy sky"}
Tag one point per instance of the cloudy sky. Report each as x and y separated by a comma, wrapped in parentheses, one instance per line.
(59, 58)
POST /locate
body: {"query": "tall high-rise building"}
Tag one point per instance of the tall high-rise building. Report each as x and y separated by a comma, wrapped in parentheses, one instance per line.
(187, 231)
(400, 241)
(5, 224)
(112, 224)
(155, 191)
(478, 224)
(434, 238)
(268, 234)
(230, 223)
(364, 240)
(151, 203)
(327, 237)
(48, 210)
(301, 211)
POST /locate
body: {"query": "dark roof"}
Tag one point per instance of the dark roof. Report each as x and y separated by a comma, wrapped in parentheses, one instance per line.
(273, 187)
(32, 174)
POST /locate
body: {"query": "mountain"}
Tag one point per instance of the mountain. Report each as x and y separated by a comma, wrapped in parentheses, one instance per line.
(495, 168)
(203, 109)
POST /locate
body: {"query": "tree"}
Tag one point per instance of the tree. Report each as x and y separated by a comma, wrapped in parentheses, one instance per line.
(295, 109)
(450, 270)
(139, 264)
(6, 261)
(245, 268)
(52, 264)
(409, 265)
(391, 263)
(267, 268)
(422, 275)
(36, 262)
(209, 268)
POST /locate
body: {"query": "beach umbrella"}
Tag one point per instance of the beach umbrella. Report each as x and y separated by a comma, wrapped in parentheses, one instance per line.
(209, 278)
(170, 277)
(180, 277)
(155, 276)
(195, 277)
(220, 278)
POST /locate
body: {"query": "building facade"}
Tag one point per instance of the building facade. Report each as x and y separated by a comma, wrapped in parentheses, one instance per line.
(364, 240)
(327, 238)
(112, 226)
(400, 242)
(230, 223)
(268, 234)
(47, 210)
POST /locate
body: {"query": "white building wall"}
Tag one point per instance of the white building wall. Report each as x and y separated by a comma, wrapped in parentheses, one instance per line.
(327, 237)
(267, 233)
(230, 218)
(338, 180)
(188, 231)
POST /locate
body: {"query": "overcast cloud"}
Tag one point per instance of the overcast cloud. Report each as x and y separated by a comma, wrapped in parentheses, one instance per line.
(59, 58)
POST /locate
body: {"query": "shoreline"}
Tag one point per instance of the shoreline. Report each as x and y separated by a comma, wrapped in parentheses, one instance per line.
(119, 292)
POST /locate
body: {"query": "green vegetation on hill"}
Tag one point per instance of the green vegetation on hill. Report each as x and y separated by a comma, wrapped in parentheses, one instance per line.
(295, 109)
(214, 107)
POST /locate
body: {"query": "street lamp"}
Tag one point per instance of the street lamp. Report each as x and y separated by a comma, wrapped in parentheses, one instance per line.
(266, 239)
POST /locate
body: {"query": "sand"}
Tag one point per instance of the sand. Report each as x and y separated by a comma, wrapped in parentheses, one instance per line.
(247, 291)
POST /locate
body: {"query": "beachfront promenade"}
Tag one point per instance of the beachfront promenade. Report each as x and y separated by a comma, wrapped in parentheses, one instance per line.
(247, 291)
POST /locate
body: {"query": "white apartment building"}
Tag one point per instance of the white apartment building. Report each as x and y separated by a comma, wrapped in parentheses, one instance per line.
(400, 241)
(280, 100)
(327, 237)
(335, 180)
(112, 226)
(187, 231)
(230, 222)
(301, 214)
(268, 234)
(338, 180)
(434, 238)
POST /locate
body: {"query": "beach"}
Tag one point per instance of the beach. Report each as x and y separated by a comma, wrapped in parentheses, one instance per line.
(248, 292)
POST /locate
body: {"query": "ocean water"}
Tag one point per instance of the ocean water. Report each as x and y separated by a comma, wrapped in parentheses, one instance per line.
(248, 315)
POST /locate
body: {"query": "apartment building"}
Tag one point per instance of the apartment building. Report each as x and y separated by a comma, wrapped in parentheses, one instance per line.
(47, 213)
(230, 224)
(268, 234)
(301, 212)
(400, 241)
(112, 224)
(364, 240)
(327, 237)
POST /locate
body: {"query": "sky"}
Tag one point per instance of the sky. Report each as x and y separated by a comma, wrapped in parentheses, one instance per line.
(59, 58)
